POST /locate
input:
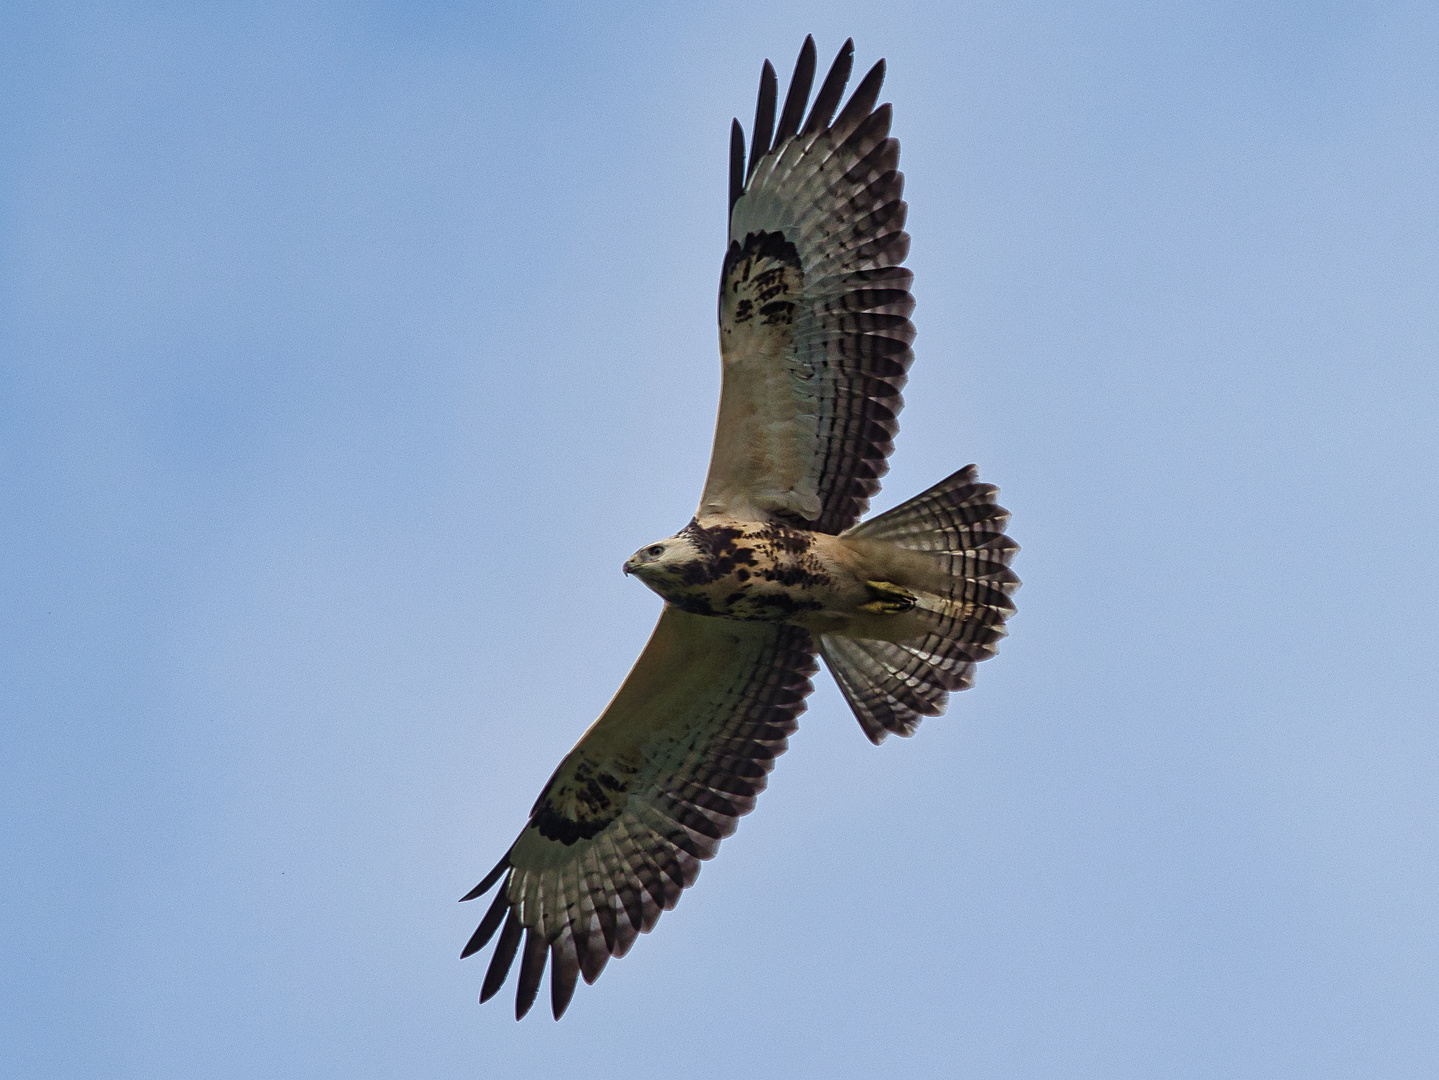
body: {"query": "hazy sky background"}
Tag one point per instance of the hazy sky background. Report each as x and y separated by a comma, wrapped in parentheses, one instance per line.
(347, 349)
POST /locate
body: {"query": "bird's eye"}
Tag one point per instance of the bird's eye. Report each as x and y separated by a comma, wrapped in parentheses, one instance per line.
(654, 551)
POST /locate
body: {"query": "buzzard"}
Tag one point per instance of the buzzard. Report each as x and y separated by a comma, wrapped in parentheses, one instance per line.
(775, 566)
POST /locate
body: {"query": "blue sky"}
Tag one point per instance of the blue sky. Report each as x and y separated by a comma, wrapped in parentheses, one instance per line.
(346, 350)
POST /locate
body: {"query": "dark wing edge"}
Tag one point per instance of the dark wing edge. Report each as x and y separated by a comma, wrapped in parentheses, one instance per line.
(833, 188)
(580, 887)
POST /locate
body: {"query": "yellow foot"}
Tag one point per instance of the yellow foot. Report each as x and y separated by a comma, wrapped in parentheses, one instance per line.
(887, 598)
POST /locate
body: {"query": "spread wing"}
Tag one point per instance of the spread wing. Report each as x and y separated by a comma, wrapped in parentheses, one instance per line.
(814, 306)
(647, 793)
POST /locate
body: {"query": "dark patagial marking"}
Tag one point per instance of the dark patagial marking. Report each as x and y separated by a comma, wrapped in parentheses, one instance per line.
(555, 826)
(762, 273)
(593, 798)
(781, 311)
(768, 246)
(695, 605)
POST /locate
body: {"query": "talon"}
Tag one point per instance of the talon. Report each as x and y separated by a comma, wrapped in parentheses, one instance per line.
(887, 599)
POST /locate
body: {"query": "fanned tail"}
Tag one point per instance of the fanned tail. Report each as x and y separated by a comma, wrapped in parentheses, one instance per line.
(957, 568)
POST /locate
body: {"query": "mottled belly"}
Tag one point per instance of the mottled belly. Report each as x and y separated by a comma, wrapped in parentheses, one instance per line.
(749, 601)
(769, 574)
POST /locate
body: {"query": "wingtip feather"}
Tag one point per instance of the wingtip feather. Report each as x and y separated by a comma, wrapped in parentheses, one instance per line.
(502, 959)
(564, 973)
(798, 96)
(830, 92)
(532, 970)
(736, 162)
(489, 880)
(763, 117)
(488, 925)
(861, 102)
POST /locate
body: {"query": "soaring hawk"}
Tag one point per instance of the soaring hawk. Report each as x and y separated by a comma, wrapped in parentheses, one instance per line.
(815, 343)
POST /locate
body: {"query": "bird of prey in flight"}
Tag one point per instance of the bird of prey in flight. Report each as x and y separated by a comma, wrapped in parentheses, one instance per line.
(775, 566)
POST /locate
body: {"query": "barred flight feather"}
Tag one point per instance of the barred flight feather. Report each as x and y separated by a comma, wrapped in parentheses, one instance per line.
(810, 447)
(707, 708)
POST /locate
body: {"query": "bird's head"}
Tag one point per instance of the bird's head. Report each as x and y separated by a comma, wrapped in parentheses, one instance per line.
(670, 564)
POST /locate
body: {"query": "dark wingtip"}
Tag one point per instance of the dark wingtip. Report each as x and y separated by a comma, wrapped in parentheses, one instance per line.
(502, 959)
(532, 969)
(736, 162)
(489, 882)
(832, 90)
(861, 102)
(564, 973)
(798, 96)
(763, 116)
(488, 925)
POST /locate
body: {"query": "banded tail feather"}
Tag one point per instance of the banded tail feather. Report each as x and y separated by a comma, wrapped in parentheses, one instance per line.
(955, 558)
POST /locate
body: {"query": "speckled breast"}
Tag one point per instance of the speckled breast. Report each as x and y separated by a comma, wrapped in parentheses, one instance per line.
(754, 572)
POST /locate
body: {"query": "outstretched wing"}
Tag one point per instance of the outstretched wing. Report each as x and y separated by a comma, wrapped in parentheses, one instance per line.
(647, 793)
(814, 306)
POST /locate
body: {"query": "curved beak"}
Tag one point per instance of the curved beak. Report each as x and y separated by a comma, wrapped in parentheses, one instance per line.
(626, 567)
